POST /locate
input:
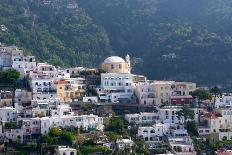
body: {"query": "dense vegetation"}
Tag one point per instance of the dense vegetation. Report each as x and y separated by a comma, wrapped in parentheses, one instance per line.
(53, 33)
(185, 40)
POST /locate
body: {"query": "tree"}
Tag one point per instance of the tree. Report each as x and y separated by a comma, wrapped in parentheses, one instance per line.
(55, 132)
(191, 127)
(201, 94)
(216, 92)
(186, 113)
(67, 138)
(116, 124)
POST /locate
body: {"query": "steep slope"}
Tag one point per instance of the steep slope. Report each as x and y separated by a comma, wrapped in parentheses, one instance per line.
(181, 40)
(58, 32)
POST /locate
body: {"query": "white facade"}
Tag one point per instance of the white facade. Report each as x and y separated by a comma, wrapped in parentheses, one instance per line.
(154, 133)
(63, 150)
(22, 63)
(44, 95)
(142, 118)
(5, 57)
(8, 114)
(125, 144)
(42, 79)
(182, 145)
(84, 121)
(116, 86)
(167, 114)
(12, 57)
(90, 99)
(224, 101)
(15, 135)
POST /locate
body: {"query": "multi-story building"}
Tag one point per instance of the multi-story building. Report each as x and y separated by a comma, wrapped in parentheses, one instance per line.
(224, 101)
(6, 98)
(154, 133)
(115, 64)
(182, 145)
(146, 94)
(116, 87)
(30, 128)
(8, 114)
(42, 81)
(164, 90)
(125, 144)
(5, 56)
(70, 89)
(217, 125)
(84, 121)
(168, 114)
(12, 57)
(142, 118)
(184, 88)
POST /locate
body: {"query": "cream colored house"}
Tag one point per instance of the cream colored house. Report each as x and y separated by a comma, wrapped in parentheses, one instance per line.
(217, 125)
(164, 90)
(115, 64)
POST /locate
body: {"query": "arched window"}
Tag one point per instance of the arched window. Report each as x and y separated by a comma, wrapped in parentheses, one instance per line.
(71, 153)
(120, 66)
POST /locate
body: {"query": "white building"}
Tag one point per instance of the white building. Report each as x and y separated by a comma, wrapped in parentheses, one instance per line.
(90, 99)
(50, 107)
(154, 133)
(42, 81)
(224, 101)
(22, 63)
(12, 57)
(15, 135)
(8, 114)
(123, 144)
(146, 94)
(116, 87)
(142, 118)
(5, 56)
(84, 121)
(63, 150)
(182, 145)
(167, 114)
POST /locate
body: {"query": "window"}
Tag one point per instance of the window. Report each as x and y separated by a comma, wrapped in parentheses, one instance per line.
(120, 66)
(71, 153)
(112, 66)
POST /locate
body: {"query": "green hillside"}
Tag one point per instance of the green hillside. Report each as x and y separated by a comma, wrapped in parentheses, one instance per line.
(197, 32)
(53, 32)
(187, 40)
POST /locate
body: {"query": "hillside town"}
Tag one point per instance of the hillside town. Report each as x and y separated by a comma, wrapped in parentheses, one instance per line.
(45, 109)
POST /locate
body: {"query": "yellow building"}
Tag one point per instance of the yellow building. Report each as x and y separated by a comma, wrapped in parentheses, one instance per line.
(69, 92)
(115, 64)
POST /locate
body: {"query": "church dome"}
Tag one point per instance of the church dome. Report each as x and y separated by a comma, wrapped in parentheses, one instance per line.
(114, 59)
